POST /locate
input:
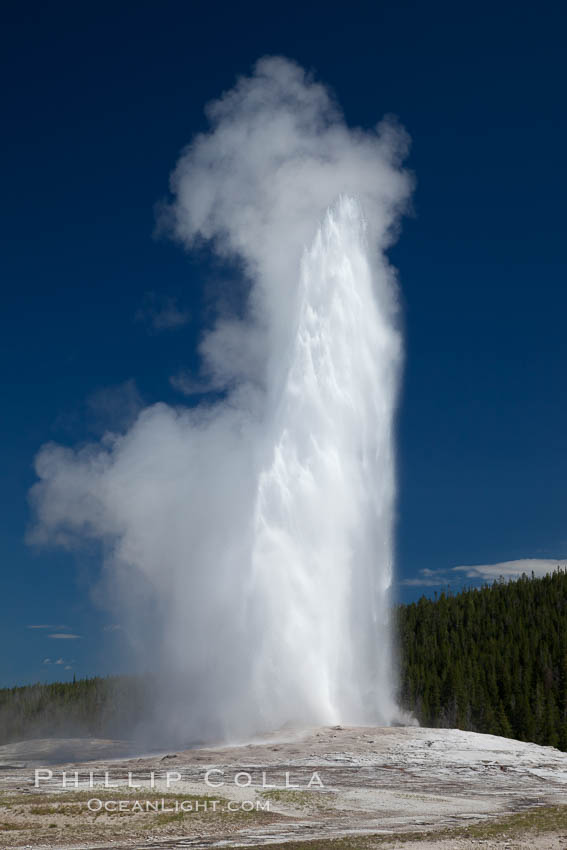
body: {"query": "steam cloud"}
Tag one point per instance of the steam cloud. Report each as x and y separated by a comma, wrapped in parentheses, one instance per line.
(247, 543)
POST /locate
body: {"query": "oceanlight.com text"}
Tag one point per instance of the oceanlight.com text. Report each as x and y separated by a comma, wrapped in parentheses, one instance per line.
(164, 806)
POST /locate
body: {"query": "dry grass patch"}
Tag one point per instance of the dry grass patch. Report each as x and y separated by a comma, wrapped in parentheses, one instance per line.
(534, 821)
(63, 817)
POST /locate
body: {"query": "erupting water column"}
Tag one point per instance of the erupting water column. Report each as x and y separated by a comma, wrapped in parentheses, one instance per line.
(247, 533)
(322, 556)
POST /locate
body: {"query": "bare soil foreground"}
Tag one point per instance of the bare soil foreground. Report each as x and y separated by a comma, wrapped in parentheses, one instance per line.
(322, 789)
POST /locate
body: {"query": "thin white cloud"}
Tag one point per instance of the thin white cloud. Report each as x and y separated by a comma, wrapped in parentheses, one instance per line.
(64, 636)
(46, 661)
(45, 627)
(486, 572)
(59, 661)
(512, 569)
(112, 627)
(422, 582)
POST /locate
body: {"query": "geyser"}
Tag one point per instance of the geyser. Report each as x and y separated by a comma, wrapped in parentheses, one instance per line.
(247, 543)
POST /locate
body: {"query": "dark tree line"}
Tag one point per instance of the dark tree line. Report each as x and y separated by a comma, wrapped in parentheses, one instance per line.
(490, 660)
(108, 707)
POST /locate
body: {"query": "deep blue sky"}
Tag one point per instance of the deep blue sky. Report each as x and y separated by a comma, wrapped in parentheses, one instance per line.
(98, 101)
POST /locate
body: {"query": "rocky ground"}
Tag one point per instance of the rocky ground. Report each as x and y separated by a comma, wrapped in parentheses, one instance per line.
(321, 789)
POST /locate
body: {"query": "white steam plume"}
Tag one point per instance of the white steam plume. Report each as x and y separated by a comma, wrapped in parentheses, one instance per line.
(255, 534)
